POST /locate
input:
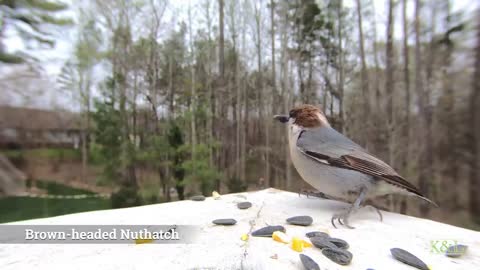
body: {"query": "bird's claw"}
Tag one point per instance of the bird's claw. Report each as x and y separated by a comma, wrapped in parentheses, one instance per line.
(377, 210)
(316, 194)
(342, 218)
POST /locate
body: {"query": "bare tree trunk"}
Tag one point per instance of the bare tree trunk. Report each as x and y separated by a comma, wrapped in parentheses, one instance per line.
(451, 123)
(221, 41)
(236, 94)
(288, 166)
(192, 89)
(285, 93)
(273, 93)
(303, 94)
(210, 95)
(171, 90)
(389, 85)
(377, 66)
(171, 117)
(390, 92)
(263, 97)
(84, 154)
(475, 136)
(430, 63)
(244, 132)
(272, 25)
(244, 120)
(423, 164)
(84, 87)
(326, 90)
(238, 97)
(364, 74)
(406, 124)
(341, 71)
(221, 66)
(152, 97)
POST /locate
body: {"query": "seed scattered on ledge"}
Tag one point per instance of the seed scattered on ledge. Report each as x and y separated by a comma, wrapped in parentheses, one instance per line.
(140, 241)
(456, 251)
(317, 234)
(225, 221)
(322, 242)
(297, 244)
(281, 237)
(337, 255)
(198, 198)
(340, 243)
(408, 258)
(268, 231)
(300, 220)
(244, 205)
(216, 195)
(308, 263)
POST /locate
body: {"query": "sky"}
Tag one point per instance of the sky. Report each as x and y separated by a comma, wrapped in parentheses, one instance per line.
(54, 59)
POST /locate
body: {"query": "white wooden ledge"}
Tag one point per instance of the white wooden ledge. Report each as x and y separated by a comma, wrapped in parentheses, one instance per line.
(221, 247)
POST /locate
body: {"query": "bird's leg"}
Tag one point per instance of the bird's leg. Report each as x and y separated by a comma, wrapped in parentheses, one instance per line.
(343, 217)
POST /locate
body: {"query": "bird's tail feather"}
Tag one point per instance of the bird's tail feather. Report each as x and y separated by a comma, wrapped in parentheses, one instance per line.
(426, 199)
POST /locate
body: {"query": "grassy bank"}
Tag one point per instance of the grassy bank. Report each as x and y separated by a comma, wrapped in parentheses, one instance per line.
(48, 153)
(22, 208)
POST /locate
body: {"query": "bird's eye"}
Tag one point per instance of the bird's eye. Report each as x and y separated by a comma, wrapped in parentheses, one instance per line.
(292, 113)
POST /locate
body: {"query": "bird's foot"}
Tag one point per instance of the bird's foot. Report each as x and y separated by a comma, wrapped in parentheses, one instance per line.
(342, 218)
(313, 193)
(377, 210)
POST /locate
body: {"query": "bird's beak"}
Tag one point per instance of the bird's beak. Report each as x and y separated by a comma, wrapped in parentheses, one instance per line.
(281, 118)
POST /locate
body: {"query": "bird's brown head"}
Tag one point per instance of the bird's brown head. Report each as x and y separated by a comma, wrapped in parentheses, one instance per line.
(306, 116)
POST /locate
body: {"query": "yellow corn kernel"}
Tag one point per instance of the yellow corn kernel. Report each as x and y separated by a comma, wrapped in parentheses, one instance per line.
(140, 241)
(307, 243)
(244, 237)
(297, 244)
(215, 195)
(280, 237)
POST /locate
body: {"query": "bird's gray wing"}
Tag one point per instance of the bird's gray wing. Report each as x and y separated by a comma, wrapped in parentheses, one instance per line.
(328, 146)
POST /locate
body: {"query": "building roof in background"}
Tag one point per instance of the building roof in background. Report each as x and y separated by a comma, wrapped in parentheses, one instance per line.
(37, 119)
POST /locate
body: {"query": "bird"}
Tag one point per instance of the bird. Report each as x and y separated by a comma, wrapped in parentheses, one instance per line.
(335, 165)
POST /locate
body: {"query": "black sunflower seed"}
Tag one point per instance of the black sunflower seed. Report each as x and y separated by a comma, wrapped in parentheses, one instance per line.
(198, 198)
(308, 263)
(316, 234)
(456, 251)
(340, 243)
(322, 242)
(268, 231)
(337, 255)
(300, 220)
(408, 258)
(244, 205)
(225, 221)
